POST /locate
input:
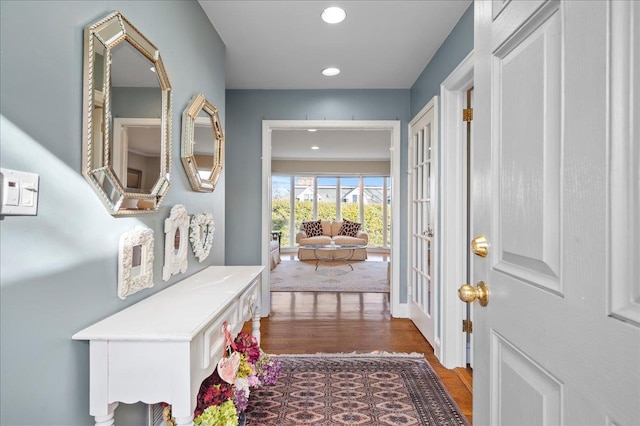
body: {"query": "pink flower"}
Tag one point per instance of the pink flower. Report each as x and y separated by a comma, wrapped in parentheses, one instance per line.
(247, 345)
(254, 381)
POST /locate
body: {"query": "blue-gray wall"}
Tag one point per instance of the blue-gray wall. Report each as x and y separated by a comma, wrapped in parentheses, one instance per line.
(247, 108)
(453, 50)
(245, 111)
(58, 270)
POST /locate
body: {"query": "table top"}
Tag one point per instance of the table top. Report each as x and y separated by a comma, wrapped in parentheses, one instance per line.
(179, 311)
(334, 246)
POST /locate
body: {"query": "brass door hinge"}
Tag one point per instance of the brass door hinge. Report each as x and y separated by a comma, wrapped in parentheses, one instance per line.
(467, 326)
(467, 114)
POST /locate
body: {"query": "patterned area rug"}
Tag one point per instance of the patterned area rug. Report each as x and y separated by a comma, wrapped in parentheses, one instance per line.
(354, 390)
(296, 275)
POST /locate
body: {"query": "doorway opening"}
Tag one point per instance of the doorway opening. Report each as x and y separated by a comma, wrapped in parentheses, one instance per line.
(393, 130)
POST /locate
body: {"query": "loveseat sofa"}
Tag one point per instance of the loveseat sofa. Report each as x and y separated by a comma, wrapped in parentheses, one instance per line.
(350, 234)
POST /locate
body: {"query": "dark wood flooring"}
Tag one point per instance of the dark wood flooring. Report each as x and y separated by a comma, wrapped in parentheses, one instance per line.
(311, 322)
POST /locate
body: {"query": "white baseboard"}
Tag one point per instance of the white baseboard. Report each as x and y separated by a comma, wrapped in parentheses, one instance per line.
(401, 310)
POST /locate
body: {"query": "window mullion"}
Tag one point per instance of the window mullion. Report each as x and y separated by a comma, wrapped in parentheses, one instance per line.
(292, 209)
(338, 200)
(385, 235)
(361, 200)
(315, 197)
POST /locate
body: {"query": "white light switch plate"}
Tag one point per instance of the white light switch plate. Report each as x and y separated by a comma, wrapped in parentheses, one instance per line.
(19, 192)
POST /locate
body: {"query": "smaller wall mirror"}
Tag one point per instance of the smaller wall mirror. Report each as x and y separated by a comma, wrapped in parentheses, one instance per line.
(176, 229)
(202, 144)
(126, 117)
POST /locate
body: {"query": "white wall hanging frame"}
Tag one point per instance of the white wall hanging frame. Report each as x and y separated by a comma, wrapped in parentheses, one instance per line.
(201, 233)
(176, 228)
(135, 261)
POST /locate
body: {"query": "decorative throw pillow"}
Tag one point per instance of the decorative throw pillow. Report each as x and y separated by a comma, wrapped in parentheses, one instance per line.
(312, 228)
(349, 228)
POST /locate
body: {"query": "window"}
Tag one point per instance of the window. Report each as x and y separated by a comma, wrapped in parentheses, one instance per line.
(364, 199)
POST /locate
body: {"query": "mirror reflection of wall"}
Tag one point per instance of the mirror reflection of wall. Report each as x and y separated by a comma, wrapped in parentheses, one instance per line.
(135, 94)
(98, 103)
(204, 143)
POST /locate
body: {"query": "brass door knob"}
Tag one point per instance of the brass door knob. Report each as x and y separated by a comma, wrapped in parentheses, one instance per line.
(480, 246)
(468, 293)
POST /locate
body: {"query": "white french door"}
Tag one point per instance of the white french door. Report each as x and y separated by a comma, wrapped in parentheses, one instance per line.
(556, 191)
(422, 200)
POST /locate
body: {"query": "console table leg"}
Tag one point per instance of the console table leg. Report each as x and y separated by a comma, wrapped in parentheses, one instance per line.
(107, 420)
(255, 330)
(184, 421)
(254, 309)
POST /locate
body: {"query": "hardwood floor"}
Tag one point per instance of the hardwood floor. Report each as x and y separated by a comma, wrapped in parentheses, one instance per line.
(308, 322)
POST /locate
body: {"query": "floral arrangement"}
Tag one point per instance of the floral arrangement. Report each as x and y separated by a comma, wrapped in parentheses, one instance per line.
(221, 399)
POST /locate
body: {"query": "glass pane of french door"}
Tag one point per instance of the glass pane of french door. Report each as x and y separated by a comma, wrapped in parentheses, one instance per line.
(422, 230)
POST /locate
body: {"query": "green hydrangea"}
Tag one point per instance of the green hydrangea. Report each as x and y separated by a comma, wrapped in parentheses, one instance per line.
(218, 415)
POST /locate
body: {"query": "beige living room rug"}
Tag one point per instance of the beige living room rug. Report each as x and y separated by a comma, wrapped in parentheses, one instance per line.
(296, 275)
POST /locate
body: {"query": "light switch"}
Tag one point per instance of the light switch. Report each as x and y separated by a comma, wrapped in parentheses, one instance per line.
(27, 194)
(19, 192)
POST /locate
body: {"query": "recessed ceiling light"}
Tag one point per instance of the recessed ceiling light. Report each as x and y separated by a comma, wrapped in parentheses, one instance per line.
(333, 15)
(330, 72)
(312, 130)
(315, 147)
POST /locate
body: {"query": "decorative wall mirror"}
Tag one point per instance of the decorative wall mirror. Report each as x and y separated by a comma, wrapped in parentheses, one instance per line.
(126, 117)
(202, 144)
(176, 228)
(201, 235)
(135, 261)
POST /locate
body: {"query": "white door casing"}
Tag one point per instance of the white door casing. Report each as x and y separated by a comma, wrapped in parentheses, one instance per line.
(555, 189)
(422, 278)
(398, 310)
(454, 247)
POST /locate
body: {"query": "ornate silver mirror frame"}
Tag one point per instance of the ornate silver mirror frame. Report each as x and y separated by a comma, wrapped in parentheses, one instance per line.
(202, 144)
(176, 228)
(135, 261)
(201, 235)
(126, 117)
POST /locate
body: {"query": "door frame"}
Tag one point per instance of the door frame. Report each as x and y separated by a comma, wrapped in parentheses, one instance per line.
(397, 309)
(453, 246)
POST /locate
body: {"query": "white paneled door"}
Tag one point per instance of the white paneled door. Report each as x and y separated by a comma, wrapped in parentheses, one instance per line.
(556, 191)
(422, 170)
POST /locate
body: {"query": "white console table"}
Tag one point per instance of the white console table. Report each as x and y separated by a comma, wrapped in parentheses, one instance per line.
(163, 347)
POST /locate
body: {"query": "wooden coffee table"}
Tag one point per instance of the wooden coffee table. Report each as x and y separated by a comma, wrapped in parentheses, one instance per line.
(330, 252)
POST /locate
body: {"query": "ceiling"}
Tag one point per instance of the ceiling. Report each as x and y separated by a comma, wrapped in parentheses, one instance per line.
(285, 44)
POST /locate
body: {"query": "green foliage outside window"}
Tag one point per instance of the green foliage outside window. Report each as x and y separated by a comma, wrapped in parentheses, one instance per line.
(280, 214)
(350, 211)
